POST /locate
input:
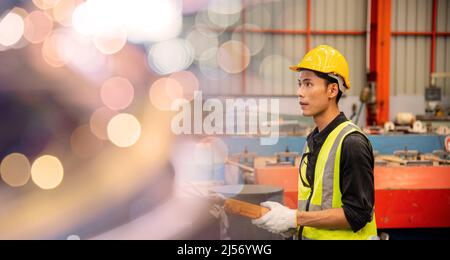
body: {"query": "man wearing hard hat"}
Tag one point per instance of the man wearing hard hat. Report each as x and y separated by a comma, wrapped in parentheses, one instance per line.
(336, 185)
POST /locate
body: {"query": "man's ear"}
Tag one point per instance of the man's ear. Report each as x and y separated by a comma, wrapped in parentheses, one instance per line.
(333, 90)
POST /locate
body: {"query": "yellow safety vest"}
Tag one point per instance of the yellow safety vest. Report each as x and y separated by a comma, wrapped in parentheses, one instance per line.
(326, 191)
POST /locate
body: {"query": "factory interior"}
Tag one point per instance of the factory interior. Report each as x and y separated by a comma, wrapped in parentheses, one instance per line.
(176, 119)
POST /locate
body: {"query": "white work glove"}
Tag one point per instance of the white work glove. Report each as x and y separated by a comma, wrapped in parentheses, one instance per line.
(278, 220)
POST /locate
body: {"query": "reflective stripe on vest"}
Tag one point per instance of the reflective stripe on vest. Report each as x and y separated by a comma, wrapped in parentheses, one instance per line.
(326, 192)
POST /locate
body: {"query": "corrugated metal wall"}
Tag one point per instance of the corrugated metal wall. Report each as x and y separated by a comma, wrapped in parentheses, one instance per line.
(280, 51)
(410, 55)
(347, 15)
(443, 44)
(268, 72)
(344, 15)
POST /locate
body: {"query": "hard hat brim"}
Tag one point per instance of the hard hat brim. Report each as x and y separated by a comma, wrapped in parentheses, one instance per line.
(294, 68)
(342, 87)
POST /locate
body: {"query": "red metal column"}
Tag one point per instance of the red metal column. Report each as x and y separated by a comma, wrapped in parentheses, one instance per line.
(308, 25)
(371, 118)
(383, 60)
(433, 40)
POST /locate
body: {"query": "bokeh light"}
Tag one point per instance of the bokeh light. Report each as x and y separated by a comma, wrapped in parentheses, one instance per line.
(224, 13)
(84, 143)
(204, 25)
(272, 71)
(225, 6)
(254, 41)
(188, 81)
(124, 130)
(201, 42)
(11, 29)
(47, 172)
(45, 4)
(164, 92)
(117, 93)
(50, 51)
(73, 237)
(82, 19)
(223, 20)
(99, 122)
(38, 25)
(15, 170)
(63, 10)
(209, 65)
(20, 11)
(143, 21)
(259, 16)
(156, 20)
(216, 149)
(233, 56)
(110, 42)
(170, 56)
(79, 52)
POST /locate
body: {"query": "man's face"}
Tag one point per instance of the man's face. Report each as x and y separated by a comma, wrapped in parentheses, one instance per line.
(312, 93)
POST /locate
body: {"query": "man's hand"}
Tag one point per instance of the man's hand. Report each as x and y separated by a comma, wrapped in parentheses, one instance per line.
(278, 220)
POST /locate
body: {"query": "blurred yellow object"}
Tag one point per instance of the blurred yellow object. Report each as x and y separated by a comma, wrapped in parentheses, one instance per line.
(15, 170)
(47, 172)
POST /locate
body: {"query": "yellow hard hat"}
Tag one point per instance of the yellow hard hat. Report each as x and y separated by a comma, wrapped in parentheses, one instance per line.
(326, 59)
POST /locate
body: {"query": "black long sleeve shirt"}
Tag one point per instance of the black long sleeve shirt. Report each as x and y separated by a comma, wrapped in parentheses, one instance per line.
(356, 169)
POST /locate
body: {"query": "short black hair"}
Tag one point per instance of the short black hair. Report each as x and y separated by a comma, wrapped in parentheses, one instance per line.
(329, 80)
